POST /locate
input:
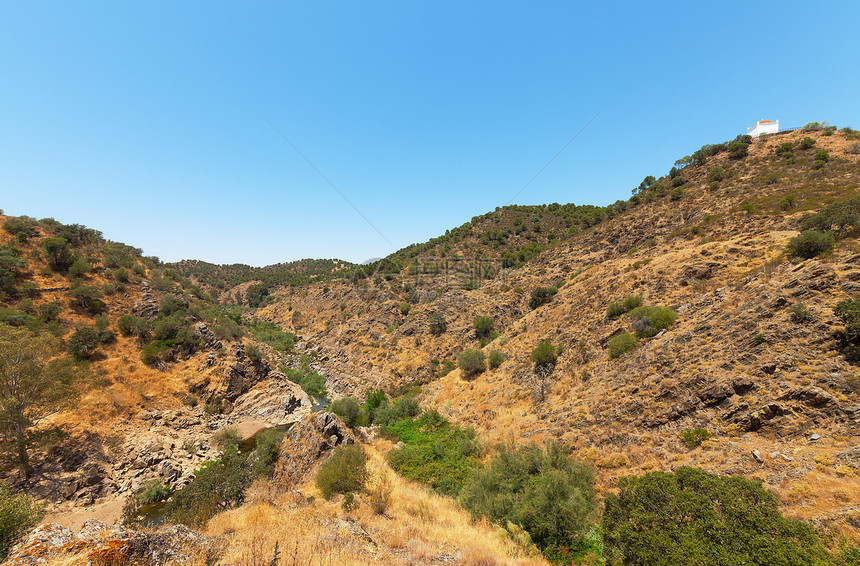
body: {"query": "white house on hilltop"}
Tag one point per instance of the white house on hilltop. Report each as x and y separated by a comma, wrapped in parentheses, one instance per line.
(763, 127)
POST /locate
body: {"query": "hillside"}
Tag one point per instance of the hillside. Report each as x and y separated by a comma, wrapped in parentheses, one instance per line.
(755, 364)
(735, 362)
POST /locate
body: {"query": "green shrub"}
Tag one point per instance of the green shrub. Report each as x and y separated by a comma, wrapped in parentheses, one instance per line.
(676, 194)
(738, 149)
(806, 143)
(496, 359)
(541, 296)
(49, 311)
(621, 343)
(785, 149)
(483, 326)
(693, 438)
(471, 362)
(308, 379)
(152, 491)
(227, 436)
(800, 313)
(405, 308)
(130, 325)
(344, 472)
(822, 156)
(435, 452)
(88, 299)
(849, 313)
(716, 174)
(347, 408)
(629, 303)
(648, 321)
(21, 225)
(79, 267)
(217, 485)
(543, 491)
(788, 201)
(544, 355)
(121, 275)
(18, 514)
(837, 216)
(85, 341)
(811, 243)
(399, 409)
(693, 517)
(438, 325)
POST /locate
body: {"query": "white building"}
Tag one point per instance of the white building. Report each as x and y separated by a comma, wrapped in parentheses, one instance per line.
(763, 127)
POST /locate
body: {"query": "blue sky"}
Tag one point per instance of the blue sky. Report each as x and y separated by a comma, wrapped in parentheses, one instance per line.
(150, 120)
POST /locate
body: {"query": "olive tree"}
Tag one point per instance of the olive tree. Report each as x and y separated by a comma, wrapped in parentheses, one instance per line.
(33, 384)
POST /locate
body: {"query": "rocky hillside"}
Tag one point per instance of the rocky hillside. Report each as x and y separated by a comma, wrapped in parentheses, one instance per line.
(754, 355)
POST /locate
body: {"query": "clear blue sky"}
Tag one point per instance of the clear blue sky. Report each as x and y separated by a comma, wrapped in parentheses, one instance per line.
(146, 119)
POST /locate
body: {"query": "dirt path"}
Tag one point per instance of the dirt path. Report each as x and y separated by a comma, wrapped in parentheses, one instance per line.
(109, 512)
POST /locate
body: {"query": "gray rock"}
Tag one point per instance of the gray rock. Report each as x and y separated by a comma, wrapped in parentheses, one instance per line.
(757, 456)
(814, 437)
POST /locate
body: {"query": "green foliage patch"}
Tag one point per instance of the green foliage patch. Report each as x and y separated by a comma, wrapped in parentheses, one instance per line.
(543, 490)
(693, 517)
(436, 452)
(344, 472)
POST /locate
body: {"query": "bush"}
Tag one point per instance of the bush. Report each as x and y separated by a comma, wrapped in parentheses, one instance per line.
(621, 343)
(693, 438)
(738, 149)
(347, 408)
(838, 216)
(483, 326)
(121, 275)
(496, 359)
(227, 436)
(390, 413)
(435, 452)
(405, 308)
(438, 325)
(629, 303)
(380, 496)
(345, 472)
(130, 325)
(693, 517)
(217, 485)
(471, 362)
(849, 313)
(648, 321)
(79, 267)
(541, 296)
(85, 341)
(806, 143)
(788, 201)
(716, 174)
(800, 313)
(49, 311)
(822, 156)
(21, 225)
(18, 514)
(544, 355)
(543, 491)
(811, 243)
(88, 299)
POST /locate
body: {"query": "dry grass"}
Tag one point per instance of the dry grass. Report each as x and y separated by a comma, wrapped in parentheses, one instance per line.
(418, 527)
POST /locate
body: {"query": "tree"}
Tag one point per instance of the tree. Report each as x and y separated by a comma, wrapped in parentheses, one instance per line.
(32, 385)
(58, 252)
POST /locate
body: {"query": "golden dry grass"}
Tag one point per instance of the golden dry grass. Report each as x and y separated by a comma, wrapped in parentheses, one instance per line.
(417, 528)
